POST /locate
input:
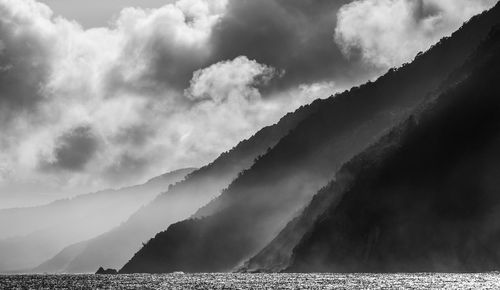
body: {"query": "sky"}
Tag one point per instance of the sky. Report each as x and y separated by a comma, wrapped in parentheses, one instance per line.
(98, 13)
(106, 94)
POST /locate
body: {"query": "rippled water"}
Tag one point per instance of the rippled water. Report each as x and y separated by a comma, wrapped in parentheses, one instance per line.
(255, 281)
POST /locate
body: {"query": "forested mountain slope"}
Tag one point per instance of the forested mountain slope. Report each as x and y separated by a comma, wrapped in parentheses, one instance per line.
(114, 248)
(259, 203)
(431, 202)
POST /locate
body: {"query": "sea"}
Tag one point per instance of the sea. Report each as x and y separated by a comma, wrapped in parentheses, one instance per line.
(255, 281)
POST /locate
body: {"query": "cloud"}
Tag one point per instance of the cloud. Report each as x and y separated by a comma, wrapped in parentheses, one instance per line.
(73, 150)
(229, 80)
(160, 89)
(109, 107)
(387, 33)
(162, 47)
(23, 58)
(66, 91)
(290, 35)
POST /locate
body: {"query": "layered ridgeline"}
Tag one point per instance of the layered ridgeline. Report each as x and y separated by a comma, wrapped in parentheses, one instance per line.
(275, 257)
(431, 201)
(258, 204)
(29, 236)
(113, 249)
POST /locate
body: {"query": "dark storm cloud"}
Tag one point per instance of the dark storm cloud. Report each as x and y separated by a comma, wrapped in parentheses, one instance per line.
(23, 70)
(74, 150)
(167, 68)
(294, 35)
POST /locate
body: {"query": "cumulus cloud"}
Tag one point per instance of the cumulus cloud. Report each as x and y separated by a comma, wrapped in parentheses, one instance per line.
(86, 103)
(162, 47)
(388, 33)
(230, 80)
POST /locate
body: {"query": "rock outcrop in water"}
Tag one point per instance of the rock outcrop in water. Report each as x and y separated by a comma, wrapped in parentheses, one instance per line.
(256, 206)
(102, 271)
(431, 201)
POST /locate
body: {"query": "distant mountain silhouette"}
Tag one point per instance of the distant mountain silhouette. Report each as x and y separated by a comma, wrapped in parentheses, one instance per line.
(114, 248)
(258, 204)
(60, 262)
(431, 200)
(29, 236)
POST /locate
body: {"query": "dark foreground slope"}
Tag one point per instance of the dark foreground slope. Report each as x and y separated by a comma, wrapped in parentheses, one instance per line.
(114, 248)
(29, 236)
(257, 205)
(276, 255)
(432, 201)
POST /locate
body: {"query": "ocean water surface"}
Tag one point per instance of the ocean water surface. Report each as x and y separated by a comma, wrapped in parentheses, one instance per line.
(255, 281)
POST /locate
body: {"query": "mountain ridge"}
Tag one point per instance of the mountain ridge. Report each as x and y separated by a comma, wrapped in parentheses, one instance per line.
(30, 235)
(254, 207)
(180, 200)
(430, 203)
(277, 254)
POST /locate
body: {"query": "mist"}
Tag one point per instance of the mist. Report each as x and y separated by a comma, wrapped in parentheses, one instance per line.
(104, 117)
(30, 236)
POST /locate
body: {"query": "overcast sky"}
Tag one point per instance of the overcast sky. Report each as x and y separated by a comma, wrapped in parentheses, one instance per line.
(96, 13)
(97, 94)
